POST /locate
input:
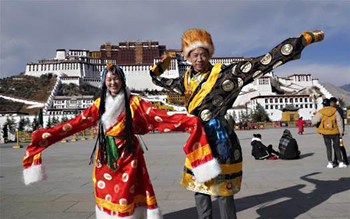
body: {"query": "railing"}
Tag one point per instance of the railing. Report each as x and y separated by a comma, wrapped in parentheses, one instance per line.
(26, 136)
(262, 125)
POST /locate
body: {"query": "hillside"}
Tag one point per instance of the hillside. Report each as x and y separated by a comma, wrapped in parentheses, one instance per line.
(75, 90)
(10, 106)
(31, 88)
(346, 87)
(338, 92)
(28, 87)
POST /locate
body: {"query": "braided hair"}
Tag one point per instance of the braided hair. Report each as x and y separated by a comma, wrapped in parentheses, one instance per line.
(101, 139)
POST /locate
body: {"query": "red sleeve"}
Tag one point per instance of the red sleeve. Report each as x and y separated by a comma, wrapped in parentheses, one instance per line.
(43, 138)
(197, 148)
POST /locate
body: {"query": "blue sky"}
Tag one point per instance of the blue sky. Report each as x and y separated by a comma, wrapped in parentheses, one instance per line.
(32, 30)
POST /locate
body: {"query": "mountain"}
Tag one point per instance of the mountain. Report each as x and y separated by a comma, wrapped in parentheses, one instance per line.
(16, 91)
(346, 87)
(28, 87)
(338, 92)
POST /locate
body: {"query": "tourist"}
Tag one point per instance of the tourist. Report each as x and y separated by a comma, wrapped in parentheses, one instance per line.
(260, 151)
(330, 126)
(120, 179)
(209, 91)
(288, 146)
(334, 103)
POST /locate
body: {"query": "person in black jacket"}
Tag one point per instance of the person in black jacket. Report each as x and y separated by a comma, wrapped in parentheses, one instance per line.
(288, 146)
(342, 148)
(260, 151)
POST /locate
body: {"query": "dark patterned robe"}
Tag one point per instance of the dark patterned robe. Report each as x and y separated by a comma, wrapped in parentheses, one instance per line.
(208, 95)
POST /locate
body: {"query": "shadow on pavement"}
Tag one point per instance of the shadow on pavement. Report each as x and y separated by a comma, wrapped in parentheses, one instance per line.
(302, 156)
(291, 200)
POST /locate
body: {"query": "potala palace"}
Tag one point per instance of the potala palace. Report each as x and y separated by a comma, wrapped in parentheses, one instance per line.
(273, 93)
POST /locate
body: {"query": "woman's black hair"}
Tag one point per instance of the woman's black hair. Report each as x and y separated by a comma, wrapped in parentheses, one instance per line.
(101, 139)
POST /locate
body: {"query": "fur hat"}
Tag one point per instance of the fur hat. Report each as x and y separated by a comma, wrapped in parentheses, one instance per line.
(195, 38)
(257, 136)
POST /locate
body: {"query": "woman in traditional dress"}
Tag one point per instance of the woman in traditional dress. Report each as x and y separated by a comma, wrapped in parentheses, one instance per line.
(120, 178)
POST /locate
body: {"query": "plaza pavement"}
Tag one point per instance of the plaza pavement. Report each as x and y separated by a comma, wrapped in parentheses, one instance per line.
(301, 188)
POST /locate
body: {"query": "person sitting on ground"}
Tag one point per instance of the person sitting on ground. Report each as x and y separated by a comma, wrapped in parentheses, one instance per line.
(288, 146)
(260, 151)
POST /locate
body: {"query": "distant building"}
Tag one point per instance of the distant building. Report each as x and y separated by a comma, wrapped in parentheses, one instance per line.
(131, 53)
(68, 105)
(136, 59)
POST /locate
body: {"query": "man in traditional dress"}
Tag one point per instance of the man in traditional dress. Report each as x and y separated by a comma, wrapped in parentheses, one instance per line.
(209, 91)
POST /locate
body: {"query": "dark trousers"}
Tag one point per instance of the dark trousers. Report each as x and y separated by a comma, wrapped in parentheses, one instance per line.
(204, 206)
(345, 156)
(328, 140)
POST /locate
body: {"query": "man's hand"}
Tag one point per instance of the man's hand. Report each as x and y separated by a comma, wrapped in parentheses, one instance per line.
(162, 65)
(165, 62)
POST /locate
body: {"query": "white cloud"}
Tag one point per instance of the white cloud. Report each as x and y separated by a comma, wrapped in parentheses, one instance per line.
(32, 30)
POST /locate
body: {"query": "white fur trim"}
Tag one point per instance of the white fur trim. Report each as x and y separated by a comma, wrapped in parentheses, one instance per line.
(256, 139)
(196, 45)
(33, 174)
(207, 171)
(139, 213)
(154, 214)
(114, 106)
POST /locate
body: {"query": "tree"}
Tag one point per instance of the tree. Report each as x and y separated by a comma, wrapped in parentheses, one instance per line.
(21, 124)
(11, 124)
(341, 103)
(48, 123)
(259, 114)
(27, 123)
(35, 124)
(55, 121)
(243, 118)
(64, 119)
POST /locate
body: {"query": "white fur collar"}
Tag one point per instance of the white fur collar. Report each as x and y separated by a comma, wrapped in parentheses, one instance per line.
(256, 139)
(114, 107)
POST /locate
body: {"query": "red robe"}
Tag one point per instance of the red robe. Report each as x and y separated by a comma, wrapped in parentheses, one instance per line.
(300, 124)
(126, 191)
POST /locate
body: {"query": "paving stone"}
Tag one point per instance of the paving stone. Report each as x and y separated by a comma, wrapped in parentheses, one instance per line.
(302, 188)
